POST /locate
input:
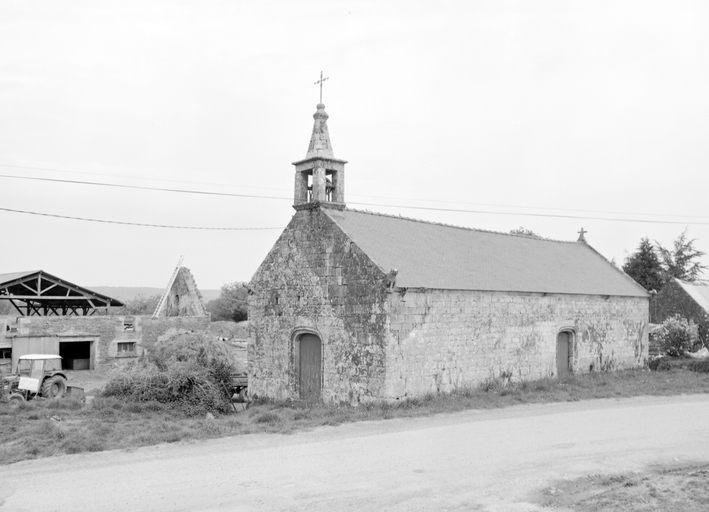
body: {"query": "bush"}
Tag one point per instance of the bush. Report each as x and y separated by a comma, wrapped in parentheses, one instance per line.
(678, 335)
(663, 365)
(654, 362)
(699, 365)
(186, 386)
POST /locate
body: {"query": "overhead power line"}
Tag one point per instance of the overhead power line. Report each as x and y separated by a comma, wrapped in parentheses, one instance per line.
(142, 178)
(440, 201)
(139, 187)
(426, 208)
(131, 223)
(527, 214)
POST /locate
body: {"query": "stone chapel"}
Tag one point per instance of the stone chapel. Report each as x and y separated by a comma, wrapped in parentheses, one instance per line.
(353, 306)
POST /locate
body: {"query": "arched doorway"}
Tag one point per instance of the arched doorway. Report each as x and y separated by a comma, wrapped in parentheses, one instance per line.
(310, 367)
(563, 354)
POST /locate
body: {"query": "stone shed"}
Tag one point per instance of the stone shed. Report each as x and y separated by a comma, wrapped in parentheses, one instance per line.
(356, 306)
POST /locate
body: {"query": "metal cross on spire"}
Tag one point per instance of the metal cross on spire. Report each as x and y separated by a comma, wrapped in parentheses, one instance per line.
(319, 82)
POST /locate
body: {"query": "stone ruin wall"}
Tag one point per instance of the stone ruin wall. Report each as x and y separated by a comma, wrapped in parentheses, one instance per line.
(184, 298)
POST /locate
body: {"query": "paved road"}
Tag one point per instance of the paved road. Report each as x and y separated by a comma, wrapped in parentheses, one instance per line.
(477, 460)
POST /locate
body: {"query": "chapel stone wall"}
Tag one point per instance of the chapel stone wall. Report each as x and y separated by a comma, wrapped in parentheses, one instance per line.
(440, 340)
(316, 280)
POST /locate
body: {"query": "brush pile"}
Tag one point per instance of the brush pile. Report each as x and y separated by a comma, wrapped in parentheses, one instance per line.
(188, 371)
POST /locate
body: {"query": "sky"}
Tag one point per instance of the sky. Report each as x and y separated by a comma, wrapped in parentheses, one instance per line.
(551, 115)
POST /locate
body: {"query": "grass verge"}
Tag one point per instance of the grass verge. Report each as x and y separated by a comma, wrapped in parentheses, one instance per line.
(55, 427)
(680, 488)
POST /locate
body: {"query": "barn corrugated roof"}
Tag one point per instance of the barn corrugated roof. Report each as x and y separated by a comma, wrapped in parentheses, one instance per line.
(58, 291)
(429, 255)
(11, 276)
(698, 290)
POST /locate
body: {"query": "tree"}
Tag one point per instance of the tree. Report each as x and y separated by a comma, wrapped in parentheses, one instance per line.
(681, 262)
(644, 266)
(525, 232)
(140, 305)
(232, 303)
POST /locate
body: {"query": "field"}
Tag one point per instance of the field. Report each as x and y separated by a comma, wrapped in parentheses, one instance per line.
(47, 428)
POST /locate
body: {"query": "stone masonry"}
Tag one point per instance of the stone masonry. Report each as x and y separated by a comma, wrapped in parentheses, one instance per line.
(108, 331)
(355, 307)
(316, 279)
(380, 343)
(440, 340)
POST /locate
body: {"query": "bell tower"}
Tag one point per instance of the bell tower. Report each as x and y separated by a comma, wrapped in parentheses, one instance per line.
(320, 177)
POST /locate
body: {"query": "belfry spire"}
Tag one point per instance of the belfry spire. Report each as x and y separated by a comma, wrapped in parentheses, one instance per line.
(320, 177)
(320, 145)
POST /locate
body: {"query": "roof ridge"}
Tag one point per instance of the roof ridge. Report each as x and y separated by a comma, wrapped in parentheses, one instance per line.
(460, 227)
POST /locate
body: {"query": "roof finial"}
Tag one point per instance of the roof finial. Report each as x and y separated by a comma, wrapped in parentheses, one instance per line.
(320, 83)
(581, 237)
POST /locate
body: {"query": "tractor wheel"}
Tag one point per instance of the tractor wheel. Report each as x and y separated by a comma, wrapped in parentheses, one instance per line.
(15, 400)
(54, 387)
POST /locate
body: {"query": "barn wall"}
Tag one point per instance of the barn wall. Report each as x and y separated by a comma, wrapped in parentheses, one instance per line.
(110, 330)
(33, 345)
(316, 279)
(439, 340)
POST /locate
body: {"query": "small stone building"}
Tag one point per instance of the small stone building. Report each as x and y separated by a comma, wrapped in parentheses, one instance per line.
(356, 306)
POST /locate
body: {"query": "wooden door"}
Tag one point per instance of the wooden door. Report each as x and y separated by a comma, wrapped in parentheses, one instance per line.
(310, 367)
(562, 354)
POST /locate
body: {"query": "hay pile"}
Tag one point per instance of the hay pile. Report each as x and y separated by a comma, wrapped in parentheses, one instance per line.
(189, 371)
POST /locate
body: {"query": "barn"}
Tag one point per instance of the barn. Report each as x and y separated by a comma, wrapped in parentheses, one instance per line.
(353, 306)
(53, 316)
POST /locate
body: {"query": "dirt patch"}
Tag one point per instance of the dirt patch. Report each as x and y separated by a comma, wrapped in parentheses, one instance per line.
(91, 380)
(682, 488)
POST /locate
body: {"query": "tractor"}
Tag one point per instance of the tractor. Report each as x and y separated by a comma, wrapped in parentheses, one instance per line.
(36, 375)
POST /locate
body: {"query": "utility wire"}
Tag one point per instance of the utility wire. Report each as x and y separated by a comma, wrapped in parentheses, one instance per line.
(143, 178)
(526, 214)
(453, 210)
(285, 190)
(131, 223)
(138, 187)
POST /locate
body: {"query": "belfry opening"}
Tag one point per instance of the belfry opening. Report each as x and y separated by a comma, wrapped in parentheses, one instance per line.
(319, 177)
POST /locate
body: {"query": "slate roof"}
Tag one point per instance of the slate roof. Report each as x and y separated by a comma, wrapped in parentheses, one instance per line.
(698, 290)
(438, 256)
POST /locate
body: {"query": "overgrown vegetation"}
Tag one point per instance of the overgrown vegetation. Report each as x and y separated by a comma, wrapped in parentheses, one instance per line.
(140, 305)
(680, 488)
(46, 428)
(187, 371)
(678, 336)
(653, 265)
(232, 303)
